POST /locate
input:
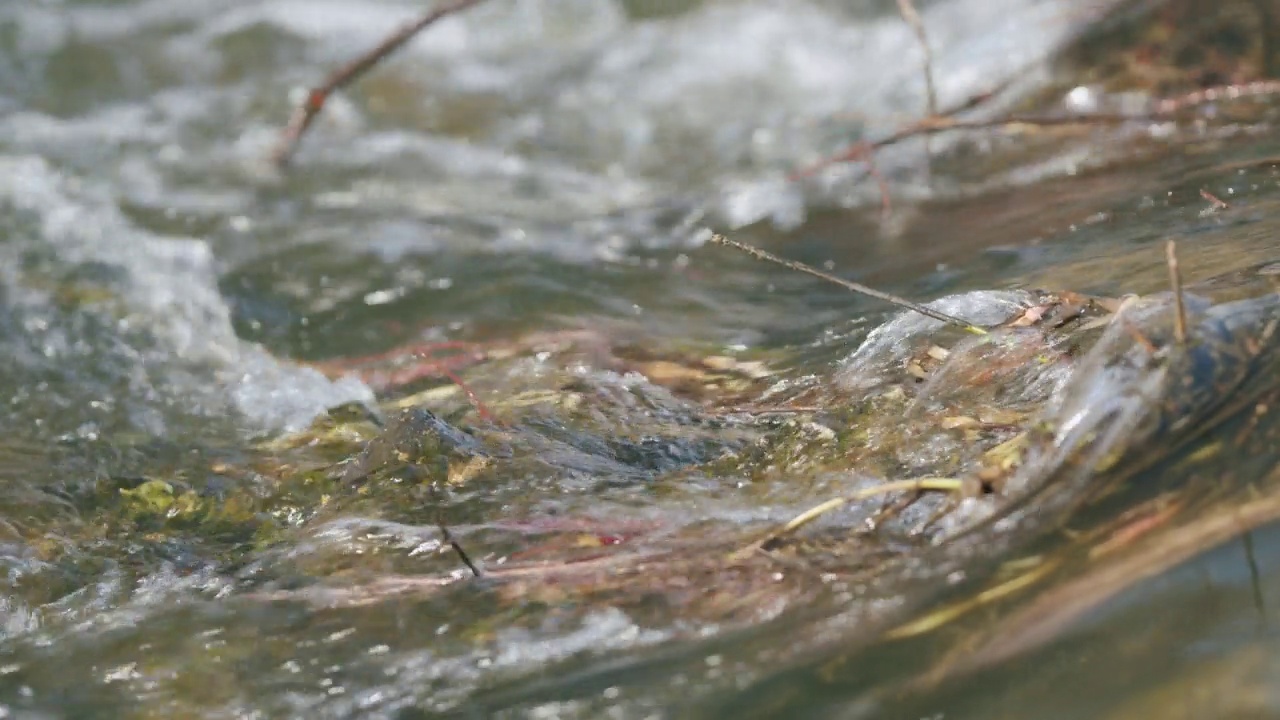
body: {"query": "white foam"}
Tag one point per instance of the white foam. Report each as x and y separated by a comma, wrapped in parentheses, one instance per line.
(173, 323)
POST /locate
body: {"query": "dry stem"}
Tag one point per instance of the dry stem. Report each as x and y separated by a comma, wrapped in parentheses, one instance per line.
(813, 513)
(849, 284)
(909, 14)
(306, 112)
(1159, 111)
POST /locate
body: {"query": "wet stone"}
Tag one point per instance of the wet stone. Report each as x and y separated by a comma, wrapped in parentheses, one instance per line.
(416, 441)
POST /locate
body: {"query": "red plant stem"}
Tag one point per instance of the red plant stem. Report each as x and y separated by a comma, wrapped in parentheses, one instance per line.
(471, 394)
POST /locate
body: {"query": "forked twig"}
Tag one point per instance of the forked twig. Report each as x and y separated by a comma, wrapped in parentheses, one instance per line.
(946, 123)
(1163, 110)
(849, 284)
(305, 114)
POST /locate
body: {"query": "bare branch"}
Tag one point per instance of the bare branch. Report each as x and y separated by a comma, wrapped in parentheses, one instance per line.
(305, 114)
(859, 288)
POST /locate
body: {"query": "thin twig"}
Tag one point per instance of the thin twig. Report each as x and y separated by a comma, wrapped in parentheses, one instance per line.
(306, 112)
(866, 152)
(886, 199)
(1255, 580)
(973, 101)
(439, 494)
(457, 547)
(813, 513)
(1175, 282)
(947, 613)
(1259, 88)
(908, 11)
(1164, 110)
(941, 124)
(472, 397)
(849, 284)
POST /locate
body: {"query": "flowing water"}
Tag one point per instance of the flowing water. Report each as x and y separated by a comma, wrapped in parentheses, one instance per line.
(211, 507)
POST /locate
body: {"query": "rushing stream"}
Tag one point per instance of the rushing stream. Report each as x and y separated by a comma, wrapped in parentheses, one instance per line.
(223, 476)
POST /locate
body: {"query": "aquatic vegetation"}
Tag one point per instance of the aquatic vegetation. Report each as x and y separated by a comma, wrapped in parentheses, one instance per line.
(1028, 417)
